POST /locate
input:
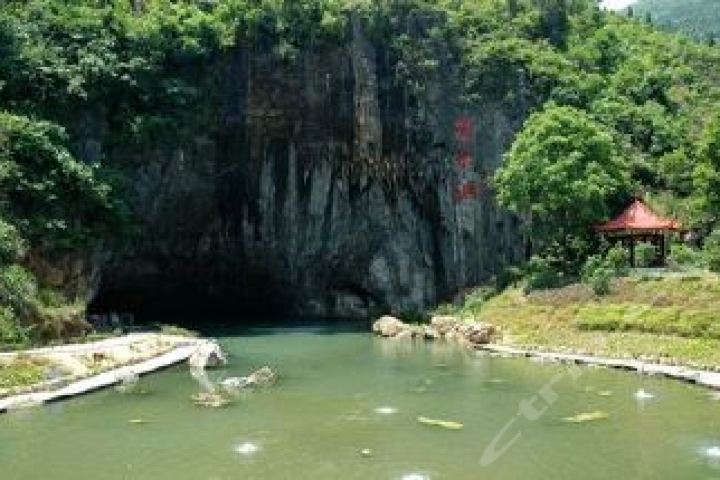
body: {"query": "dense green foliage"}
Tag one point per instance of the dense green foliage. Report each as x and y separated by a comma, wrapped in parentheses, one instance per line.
(699, 18)
(599, 270)
(645, 254)
(562, 170)
(683, 257)
(615, 107)
(650, 98)
(597, 274)
(712, 251)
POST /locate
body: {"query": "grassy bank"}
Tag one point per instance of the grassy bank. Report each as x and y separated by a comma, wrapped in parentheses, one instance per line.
(667, 318)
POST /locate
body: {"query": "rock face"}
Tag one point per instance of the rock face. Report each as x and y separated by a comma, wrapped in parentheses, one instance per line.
(326, 185)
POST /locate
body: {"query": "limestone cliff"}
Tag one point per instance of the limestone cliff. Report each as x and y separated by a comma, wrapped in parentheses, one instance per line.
(324, 185)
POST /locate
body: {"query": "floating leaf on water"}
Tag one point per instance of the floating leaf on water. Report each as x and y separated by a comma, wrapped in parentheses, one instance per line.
(440, 423)
(587, 417)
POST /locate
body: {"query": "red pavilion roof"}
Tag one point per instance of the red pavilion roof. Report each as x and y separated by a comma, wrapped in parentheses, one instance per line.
(638, 216)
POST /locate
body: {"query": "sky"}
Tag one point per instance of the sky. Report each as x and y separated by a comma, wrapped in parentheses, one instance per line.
(617, 4)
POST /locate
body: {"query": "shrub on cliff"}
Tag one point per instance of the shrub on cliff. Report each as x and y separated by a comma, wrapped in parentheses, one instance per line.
(49, 202)
(47, 194)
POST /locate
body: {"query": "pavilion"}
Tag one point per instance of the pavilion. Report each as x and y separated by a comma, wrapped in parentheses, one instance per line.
(638, 223)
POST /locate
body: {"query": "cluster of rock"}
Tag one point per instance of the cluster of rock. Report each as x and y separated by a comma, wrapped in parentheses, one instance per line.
(209, 354)
(263, 377)
(441, 327)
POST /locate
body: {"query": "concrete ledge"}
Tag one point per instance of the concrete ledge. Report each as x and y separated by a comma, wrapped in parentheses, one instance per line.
(183, 350)
(699, 377)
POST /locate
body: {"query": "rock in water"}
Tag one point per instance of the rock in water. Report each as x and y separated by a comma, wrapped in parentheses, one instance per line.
(234, 383)
(479, 333)
(209, 354)
(388, 326)
(130, 384)
(443, 324)
(211, 400)
(263, 377)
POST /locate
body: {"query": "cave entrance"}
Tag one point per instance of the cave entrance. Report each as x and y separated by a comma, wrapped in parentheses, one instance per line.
(193, 301)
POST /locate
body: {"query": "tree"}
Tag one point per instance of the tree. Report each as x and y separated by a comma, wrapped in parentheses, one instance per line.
(562, 172)
(554, 21)
(706, 177)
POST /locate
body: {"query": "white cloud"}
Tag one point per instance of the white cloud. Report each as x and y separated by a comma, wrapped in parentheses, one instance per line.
(617, 4)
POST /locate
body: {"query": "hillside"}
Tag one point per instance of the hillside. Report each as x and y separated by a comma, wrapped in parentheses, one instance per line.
(327, 157)
(698, 18)
(661, 319)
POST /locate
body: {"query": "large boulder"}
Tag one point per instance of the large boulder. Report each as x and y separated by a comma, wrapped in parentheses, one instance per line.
(444, 324)
(208, 354)
(479, 333)
(388, 326)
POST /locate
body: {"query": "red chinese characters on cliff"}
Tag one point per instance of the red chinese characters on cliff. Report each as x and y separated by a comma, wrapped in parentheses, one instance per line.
(465, 189)
(463, 160)
(463, 130)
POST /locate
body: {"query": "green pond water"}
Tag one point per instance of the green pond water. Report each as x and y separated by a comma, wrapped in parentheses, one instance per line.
(342, 392)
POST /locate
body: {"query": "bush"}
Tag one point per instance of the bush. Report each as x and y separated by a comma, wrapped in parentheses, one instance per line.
(618, 259)
(542, 273)
(645, 254)
(598, 274)
(682, 256)
(10, 330)
(17, 286)
(12, 245)
(508, 276)
(711, 251)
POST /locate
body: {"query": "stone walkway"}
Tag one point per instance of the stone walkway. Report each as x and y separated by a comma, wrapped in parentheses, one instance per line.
(699, 377)
(136, 354)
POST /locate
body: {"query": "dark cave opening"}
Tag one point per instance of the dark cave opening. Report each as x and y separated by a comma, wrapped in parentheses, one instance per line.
(194, 302)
